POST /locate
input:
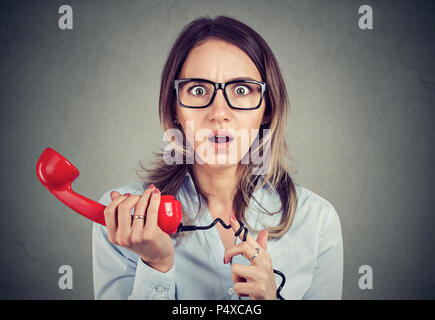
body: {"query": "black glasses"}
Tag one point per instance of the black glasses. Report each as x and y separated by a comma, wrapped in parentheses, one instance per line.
(200, 93)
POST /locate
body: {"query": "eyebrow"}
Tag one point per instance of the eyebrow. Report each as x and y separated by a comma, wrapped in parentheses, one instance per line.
(242, 78)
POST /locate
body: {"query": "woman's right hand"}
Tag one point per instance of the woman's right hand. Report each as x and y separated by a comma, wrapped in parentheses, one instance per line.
(142, 236)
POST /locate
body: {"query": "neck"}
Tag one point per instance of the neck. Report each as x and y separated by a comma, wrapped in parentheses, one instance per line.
(219, 185)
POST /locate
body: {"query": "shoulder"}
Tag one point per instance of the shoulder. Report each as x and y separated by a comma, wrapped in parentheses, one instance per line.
(310, 201)
(315, 212)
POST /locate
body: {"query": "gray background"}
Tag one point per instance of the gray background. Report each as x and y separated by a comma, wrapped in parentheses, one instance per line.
(361, 127)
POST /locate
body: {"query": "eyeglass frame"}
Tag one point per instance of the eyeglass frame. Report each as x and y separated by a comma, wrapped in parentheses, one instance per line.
(218, 86)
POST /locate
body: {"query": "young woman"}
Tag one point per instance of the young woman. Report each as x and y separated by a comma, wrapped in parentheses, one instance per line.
(221, 86)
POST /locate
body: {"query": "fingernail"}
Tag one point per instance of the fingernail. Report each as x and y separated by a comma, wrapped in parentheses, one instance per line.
(225, 261)
(233, 219)
(151, 186)
(127, 194)
(156, 190)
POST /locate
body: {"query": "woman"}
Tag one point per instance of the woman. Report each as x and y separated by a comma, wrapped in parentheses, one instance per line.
(221, 86)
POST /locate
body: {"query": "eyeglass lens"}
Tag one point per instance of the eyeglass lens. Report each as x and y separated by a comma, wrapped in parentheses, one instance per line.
(199, 93)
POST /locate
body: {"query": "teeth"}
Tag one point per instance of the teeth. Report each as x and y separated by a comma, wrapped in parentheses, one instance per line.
(220, 139)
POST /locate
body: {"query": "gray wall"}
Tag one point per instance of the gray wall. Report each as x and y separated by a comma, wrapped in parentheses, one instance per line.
(361, 127)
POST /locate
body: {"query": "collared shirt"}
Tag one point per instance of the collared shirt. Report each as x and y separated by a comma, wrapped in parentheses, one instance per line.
(310, 254)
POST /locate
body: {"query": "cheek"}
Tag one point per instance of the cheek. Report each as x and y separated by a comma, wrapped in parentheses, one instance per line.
(186, 115)
(190, 123)
(253, 121)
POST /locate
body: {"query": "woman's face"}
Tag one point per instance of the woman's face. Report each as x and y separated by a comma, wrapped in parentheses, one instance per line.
(219, 61)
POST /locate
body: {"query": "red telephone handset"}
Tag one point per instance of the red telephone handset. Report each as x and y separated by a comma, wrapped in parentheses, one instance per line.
(56, 173)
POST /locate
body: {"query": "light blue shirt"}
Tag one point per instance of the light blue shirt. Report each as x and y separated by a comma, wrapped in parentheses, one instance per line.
(310, 254)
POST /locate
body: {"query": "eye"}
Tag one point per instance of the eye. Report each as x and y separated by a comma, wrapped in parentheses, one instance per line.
(198, 91)
(241, 90)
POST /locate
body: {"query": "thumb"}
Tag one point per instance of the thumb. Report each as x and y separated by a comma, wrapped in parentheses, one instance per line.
(262, 238)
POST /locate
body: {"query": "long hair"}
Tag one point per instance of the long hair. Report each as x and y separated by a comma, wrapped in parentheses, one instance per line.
(169, 178)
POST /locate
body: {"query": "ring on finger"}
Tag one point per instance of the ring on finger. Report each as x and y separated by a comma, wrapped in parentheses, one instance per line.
(138, 217)
(257, 251)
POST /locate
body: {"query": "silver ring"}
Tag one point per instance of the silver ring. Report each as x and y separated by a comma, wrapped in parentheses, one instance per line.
(256, 254)
(138, 217)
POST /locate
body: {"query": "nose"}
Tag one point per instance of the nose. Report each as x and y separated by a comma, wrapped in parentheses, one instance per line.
(219, 109)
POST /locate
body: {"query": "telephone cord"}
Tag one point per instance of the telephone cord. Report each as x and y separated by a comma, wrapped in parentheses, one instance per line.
(182, 228)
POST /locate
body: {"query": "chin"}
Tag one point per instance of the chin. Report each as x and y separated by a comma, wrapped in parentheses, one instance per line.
(217, 166)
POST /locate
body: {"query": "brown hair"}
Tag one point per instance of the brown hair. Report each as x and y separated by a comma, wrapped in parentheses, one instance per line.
(169, 178)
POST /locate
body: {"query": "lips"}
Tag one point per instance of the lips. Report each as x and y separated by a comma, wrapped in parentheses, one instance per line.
(220, 136)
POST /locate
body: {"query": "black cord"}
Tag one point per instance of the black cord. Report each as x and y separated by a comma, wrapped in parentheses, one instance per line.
(243, 229)
(182, 228)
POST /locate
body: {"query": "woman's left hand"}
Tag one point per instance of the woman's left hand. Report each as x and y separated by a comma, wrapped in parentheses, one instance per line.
(256, 280)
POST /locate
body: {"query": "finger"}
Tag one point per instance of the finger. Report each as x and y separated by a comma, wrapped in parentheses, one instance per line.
(124, 215)
(243, 248)
(244, 289)
(110, 212)
(246, 272)
(235, 225)
(153, 209)
(236, 277)
(114, 194)
(262, 238)
(140, 210)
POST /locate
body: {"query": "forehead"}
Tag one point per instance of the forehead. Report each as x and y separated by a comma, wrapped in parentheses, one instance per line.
(219, 61)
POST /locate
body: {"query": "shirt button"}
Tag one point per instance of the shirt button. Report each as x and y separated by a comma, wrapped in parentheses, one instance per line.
(231, 291)
(160, 289)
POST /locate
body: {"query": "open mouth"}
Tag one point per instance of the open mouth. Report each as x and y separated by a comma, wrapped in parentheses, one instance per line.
(220, 139)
